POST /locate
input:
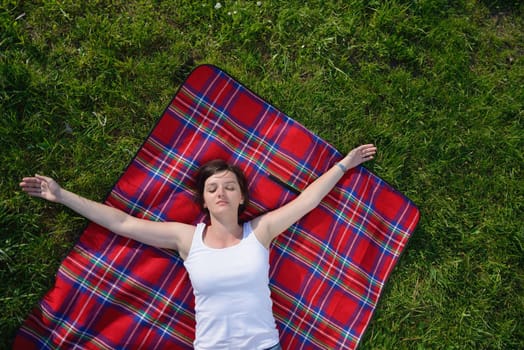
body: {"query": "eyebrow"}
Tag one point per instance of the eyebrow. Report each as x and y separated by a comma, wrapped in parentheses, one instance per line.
(225, 183)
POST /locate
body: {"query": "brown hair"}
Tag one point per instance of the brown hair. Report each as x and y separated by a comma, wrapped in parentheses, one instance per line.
(217, 166)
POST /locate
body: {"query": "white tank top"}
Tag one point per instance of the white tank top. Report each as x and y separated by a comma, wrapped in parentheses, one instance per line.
(232, 299)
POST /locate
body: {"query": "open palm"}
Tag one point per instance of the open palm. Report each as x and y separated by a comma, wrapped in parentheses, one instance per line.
(41, 186)
(360, 155)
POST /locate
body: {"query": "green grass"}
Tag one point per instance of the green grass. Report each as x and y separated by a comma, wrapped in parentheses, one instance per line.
(437, 85)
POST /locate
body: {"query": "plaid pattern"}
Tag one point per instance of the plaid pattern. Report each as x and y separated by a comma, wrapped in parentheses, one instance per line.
(327, 271)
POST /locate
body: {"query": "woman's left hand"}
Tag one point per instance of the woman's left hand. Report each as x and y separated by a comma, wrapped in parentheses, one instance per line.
(359, 155)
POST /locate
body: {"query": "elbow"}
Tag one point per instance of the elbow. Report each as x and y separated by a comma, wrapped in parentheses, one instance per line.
(123, 225)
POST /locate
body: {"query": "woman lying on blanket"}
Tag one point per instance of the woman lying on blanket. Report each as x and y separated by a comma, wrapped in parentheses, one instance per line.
(228, 263)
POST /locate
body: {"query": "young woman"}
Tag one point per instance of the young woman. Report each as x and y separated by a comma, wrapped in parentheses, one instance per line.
(228, 262)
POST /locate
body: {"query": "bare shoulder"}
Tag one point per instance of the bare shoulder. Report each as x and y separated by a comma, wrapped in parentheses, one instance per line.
(260, 229)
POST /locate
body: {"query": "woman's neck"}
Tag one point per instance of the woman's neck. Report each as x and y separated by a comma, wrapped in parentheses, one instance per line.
(225, 226)
(223, 234)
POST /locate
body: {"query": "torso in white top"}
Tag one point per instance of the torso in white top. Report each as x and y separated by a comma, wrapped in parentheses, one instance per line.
(232, 297)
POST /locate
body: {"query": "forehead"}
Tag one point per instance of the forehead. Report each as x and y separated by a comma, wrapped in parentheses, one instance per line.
(222, 177)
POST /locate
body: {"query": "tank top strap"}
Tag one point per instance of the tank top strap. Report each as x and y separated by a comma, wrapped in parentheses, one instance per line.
(197, 236)
(247, 230)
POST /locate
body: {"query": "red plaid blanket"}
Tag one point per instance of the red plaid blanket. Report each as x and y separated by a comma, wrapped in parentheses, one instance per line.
(328, 270)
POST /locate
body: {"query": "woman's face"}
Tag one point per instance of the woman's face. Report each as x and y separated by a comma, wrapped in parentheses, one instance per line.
(222, 193)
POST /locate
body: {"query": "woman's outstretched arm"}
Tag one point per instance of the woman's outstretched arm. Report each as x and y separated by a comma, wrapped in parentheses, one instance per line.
(170, 235)
(270, 225)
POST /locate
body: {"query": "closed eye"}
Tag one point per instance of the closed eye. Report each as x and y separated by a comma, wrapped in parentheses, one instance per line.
(212, 188)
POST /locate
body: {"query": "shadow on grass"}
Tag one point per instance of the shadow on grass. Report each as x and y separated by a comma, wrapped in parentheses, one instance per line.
(497, 6)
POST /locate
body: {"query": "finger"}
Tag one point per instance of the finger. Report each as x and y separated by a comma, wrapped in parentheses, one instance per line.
(368, 156)
(366, 150)
(33, 192)
(369, 147)
(43, 178)
(366, 147)
(30, 182)
(369, 150)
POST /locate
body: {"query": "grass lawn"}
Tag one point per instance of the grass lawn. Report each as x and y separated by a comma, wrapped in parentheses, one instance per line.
(437, 85)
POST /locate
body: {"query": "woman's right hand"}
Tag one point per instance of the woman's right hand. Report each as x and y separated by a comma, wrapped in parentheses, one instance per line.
(169, 235)
(41, 186)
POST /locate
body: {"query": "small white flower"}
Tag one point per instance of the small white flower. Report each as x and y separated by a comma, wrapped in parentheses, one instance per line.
(229, 13)
(235, 12)
(259, 3)
(68, 129)
(218, 6)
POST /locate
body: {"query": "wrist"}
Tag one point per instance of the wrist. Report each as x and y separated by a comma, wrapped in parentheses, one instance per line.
(346, 162)
(61, 196)
(342, 167)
